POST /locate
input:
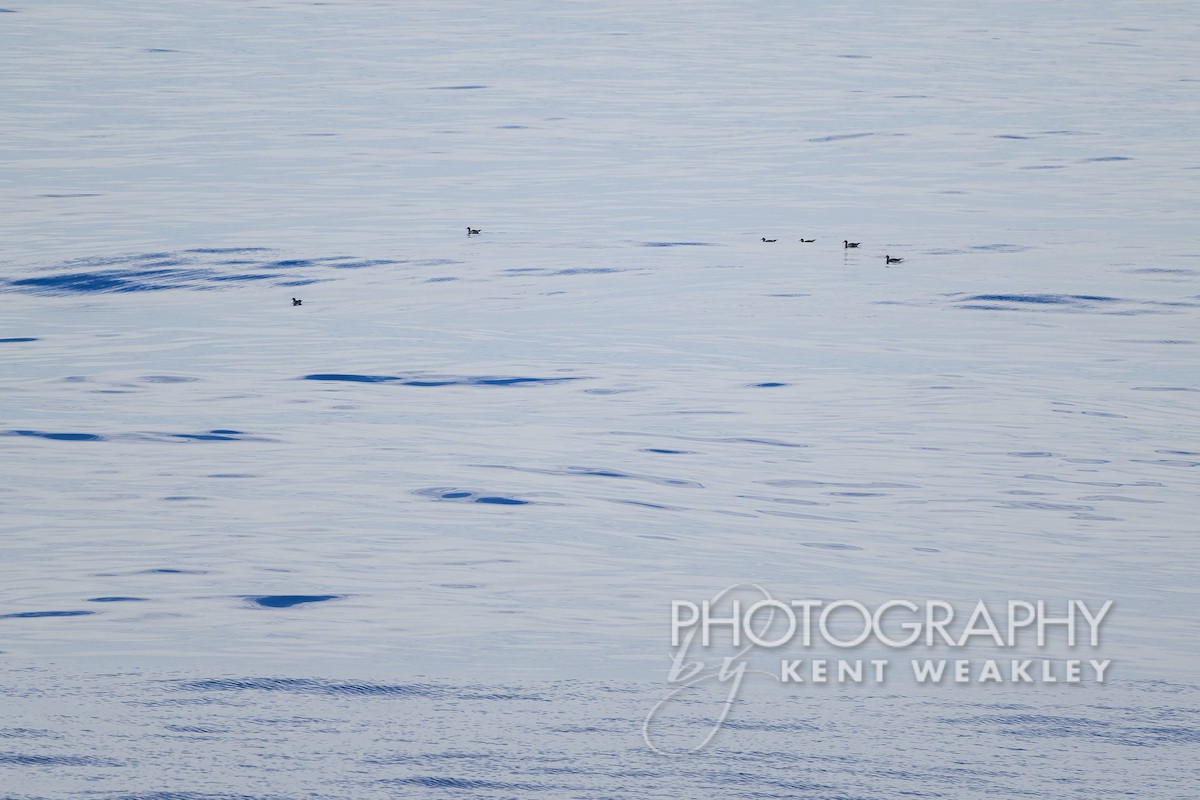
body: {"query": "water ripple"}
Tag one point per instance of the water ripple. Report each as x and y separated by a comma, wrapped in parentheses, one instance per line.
(466, 496)
(419, 379)
(289, 600)
(195, 268)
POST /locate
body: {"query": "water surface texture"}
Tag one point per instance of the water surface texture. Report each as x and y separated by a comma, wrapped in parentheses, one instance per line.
(419, 536)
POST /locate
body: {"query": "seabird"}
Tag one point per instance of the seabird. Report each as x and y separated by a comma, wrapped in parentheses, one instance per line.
(850, 244)
(890, 260)
(808, 241)
(471, 230)
(765, 239)
(296, 302)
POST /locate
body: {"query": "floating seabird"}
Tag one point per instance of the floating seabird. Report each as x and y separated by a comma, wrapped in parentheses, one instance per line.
(765, 239)
(890, 260)
(296, 302)
(471, 230)
(848, 245)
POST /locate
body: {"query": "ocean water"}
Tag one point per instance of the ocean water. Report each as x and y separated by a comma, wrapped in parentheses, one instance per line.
(420, 535)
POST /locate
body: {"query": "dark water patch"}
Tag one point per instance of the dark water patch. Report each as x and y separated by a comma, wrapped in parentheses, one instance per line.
(442, 782)
(769, 385)
(192, 795)
(1106, 158)
(194, 729)
(464, 86)
(232, 475)
(1166, 462)
(58, 437)
(712, 439)
(839, 137)
(927, 550)
(1030, 726)
(16, 339)
(28, 760)
(1010, 136)
(1173, 303)
(1034, 454)
(289, 600)
(418, 379)
(195, 269)
(248, 277)
(101, 281)
(409, 758)
(465, 496)
(116, 599)
(787, 295)
(1117, 498)
(678, 244)
(644, 504)
(587, 271)
(307, 686)
(219, 435)
(181, 498)
(27, 733)
(443, 279)
(361, 263)
(601, 473)
(158, 50)
(666, 452)
(1045, 166)
(227, 250)
(460, 585)
(1000, 247)
(38, 614)
(210, 436)
(168, 379)
(512, 127)
(1013, 302)
(748, 440)
(71, 196)
(857, 494)
(1161, 271)
(1165, 389)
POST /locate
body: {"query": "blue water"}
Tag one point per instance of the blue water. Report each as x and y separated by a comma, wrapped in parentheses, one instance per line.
(419, 536)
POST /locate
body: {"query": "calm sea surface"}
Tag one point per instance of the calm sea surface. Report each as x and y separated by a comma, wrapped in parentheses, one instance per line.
(419, 536)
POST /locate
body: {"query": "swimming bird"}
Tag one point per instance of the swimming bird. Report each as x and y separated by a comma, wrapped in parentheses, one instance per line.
(471, 230)
(296, 302)
(848, 245)
(890, 260)
(765, 239)
(808, 241)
